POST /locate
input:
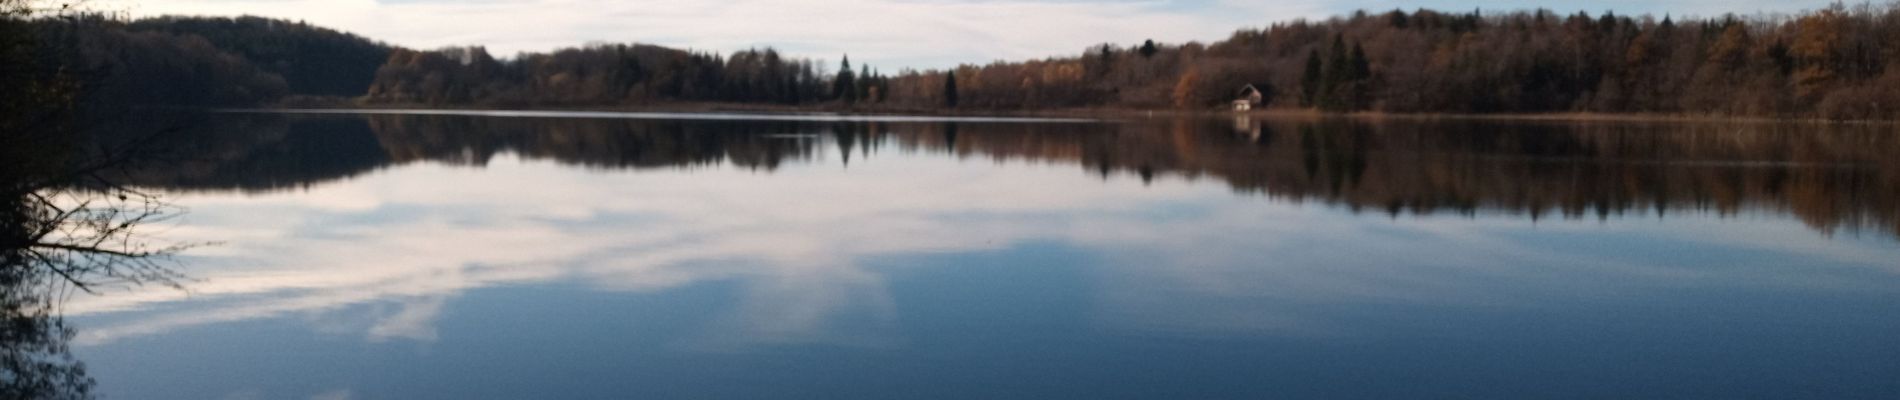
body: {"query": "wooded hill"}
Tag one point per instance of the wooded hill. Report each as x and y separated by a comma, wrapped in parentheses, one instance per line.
(208, 61)
(1840, 62)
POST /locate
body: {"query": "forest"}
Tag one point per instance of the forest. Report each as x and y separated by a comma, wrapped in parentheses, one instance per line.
(246, 61)
(1829, 63)
(607, 74)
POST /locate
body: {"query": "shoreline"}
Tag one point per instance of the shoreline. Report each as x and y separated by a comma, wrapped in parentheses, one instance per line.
(1113, 114)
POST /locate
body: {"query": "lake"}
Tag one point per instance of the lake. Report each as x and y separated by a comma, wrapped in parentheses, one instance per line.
(602, 255)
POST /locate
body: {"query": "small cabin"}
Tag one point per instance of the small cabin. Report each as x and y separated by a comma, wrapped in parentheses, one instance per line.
(1249, 96)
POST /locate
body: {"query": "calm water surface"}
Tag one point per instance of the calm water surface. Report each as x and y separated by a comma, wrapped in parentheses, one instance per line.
(375, 256)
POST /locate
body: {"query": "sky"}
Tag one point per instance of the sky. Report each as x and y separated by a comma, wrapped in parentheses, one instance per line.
(888, 34)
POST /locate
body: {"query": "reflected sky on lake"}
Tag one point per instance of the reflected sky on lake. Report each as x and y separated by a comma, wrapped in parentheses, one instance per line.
(920, 264)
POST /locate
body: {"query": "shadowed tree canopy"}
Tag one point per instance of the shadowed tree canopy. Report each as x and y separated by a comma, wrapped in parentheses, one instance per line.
(312, 60)
(120, 66)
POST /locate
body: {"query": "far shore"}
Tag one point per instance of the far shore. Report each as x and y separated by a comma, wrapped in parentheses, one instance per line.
(1093, 113)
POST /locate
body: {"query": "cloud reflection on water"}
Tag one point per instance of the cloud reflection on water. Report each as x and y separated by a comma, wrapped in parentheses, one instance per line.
(1175, 257)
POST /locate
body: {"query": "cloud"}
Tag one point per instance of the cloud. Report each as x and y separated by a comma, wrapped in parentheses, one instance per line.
(339, 394)
(723, 224)
(415, 321)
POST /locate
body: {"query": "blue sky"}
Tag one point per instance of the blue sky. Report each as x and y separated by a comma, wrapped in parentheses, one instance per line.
(890, 34)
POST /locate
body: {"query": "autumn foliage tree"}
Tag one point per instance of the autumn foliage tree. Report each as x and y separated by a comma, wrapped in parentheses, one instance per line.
(1832, 63)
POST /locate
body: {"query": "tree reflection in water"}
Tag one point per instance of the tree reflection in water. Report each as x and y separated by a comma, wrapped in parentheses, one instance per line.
(60, 229)
(64, 225)
(1832, 177)
(33, 355)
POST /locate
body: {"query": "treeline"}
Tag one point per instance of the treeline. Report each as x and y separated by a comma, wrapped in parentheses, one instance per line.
(1837, 62)
(252, 61)
(608, 74)
(1828, 63)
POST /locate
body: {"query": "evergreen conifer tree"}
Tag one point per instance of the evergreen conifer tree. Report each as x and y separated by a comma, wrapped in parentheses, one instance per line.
(845, 87)
(1311, 80)
(950, 89)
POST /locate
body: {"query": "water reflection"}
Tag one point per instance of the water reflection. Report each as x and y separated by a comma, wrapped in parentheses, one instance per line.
(63, 228)
(789, 247)
(33, 351)
(1833, 177)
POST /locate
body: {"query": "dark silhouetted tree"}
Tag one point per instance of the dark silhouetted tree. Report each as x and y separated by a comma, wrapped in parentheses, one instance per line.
(1337, 76)
(1312, 80)
(845, 86)
(1359, 69)
(950, 89)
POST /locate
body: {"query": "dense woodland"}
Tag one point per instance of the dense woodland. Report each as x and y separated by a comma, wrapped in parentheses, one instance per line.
(1832, 63)
(312, 60)
(1827, 63)
(609, 75)
(203, 61)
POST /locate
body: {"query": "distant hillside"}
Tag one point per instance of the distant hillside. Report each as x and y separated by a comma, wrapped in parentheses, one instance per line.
(312, 60)
(118, 66)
